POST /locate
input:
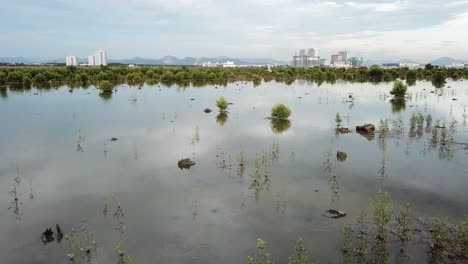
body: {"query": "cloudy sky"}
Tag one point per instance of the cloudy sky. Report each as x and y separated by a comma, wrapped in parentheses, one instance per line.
(378, 29)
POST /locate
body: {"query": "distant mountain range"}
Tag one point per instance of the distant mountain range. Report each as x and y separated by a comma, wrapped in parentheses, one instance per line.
(443, 61)
(167, 60)
(171, 60)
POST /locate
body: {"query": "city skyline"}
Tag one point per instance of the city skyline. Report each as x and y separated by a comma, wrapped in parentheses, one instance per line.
(419, 30)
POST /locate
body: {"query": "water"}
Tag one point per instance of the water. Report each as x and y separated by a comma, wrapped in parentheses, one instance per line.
(59, 144)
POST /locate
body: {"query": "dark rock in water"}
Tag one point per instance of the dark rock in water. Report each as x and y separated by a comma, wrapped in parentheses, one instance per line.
(207, 110)
(230, 103)
(335, 214)
(59, 233)
(366, 129)
(316, 190)
(341, 156)
(300, 97)
(454, 99)
(185, 164)
(192, 99)
(47, 236)
(350, 96)
(343, 130)
(114, 139)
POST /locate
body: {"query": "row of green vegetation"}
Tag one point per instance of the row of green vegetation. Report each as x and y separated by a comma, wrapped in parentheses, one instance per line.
(387, 237)
(198, 76)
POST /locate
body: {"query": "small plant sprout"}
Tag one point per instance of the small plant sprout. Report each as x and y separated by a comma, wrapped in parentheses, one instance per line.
(362, 241)
(404, 220)
(262, 257)
(338, 120)
(443, 136)
(452, 129)
(222, 104)
(280, 112)
(382, 213)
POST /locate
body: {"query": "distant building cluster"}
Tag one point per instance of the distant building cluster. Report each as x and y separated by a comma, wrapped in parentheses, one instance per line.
(71, 61)
(308, 58)
(98, 59)
(343, 59)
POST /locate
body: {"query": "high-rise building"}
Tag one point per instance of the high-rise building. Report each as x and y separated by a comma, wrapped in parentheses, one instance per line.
(91, 61)
(313, 52)
(71, 61)
(302, 52)
(344, 55)
(100, 58)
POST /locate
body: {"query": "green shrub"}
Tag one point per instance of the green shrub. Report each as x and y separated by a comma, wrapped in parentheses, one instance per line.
(399, 89)
(106, 86)
(280, 112)
(222, 104)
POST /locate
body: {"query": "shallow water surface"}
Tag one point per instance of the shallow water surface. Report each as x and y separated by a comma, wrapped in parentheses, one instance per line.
(58, 165)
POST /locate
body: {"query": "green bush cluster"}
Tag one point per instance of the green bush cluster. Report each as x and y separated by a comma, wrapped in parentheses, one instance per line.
(280, 112)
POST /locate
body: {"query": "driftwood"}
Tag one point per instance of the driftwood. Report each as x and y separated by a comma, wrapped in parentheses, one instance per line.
(335, 214)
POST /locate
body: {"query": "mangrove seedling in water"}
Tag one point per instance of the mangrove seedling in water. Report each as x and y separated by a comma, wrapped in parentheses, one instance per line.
(262, 257)
(280, 112)
(300, 255)
(346, 234)
(338, 120)
(382, 213)
(404, 220)
(222, 104)
(384, 128)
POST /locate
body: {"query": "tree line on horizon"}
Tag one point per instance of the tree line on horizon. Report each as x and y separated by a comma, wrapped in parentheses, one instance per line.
(46, 77)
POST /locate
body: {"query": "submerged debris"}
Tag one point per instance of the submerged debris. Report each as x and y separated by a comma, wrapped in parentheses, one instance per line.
(47, 236)
(366, 129)
(335, 214)
(185, 164)
(207, 110)
(343, 130)
(114, 139)
(341, 155)
(59, 233)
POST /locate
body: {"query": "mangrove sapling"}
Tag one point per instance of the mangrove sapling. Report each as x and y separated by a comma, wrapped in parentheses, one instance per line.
(262, 257)
(280, 112)
(382, 213)
(428, 121)
(222, 104)
(346, 234)
(404, 220)
(362, 241)
(413, 121)
(452, 129)
(420, 120)
(338, 120)
(440, 232)
(383, 128)
(300, 255)
(399, 89)
(435, 134)
(443, 136)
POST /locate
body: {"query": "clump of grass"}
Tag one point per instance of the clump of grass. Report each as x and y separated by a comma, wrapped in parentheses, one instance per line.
(382, 213)
(222, 104)
(404, 220)
(338, 120)
(383, 127)
(300, 255)
(280, 112)
(262, 257)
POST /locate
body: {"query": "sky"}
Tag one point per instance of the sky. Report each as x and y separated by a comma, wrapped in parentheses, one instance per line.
(421, 30)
